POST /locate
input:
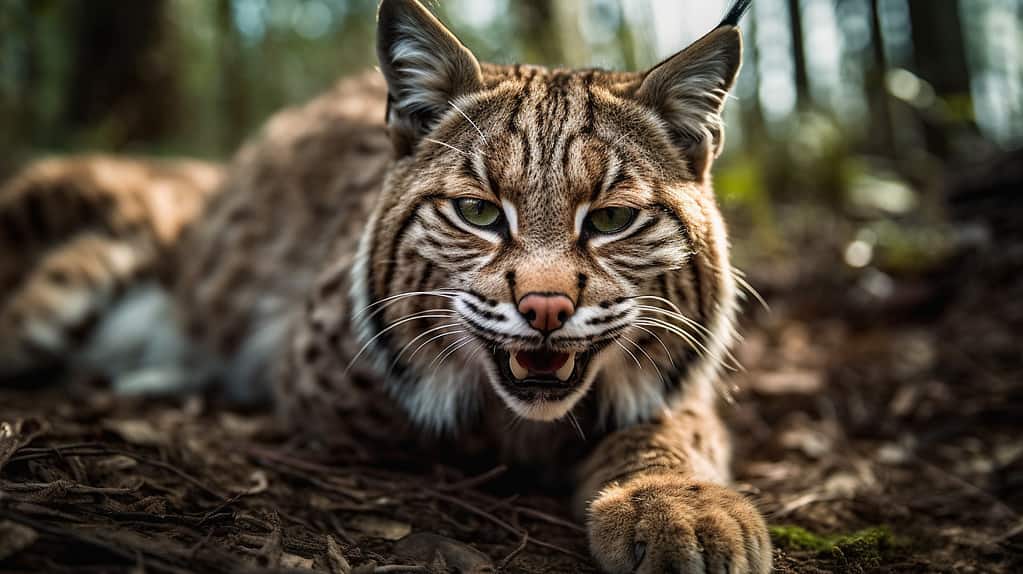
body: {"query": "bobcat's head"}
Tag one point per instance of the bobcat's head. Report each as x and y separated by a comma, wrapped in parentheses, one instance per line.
(549, 232)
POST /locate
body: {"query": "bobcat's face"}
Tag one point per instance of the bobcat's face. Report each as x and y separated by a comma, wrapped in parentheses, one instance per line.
(546, 228)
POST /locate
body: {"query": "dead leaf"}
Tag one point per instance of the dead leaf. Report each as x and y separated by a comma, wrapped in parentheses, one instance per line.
(367, 568)
(273, 549)
(434, 549)
(788, 382)
(296, 561)
(380, 527)
(136, 431)
(320, 502)
(115, 464)
(15, 435)
(242, 427)
(259, 482)
(336, 559)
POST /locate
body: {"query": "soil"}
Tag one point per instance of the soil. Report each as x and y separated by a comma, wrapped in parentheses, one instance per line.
(877, 421)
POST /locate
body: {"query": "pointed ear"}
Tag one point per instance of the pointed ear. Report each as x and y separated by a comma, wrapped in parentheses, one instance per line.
(688, 91)
(425, 67)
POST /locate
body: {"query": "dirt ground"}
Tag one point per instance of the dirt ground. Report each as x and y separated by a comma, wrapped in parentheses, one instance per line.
(878, 425)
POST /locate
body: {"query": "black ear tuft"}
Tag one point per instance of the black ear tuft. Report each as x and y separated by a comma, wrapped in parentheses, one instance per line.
(735, 13)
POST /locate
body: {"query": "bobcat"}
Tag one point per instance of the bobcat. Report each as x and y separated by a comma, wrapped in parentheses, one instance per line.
(518, 261)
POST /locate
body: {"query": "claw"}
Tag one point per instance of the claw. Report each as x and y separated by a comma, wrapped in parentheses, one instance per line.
(638, 552)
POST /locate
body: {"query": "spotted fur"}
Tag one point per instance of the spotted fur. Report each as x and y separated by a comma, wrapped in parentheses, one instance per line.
(79, 237)
(335, 264)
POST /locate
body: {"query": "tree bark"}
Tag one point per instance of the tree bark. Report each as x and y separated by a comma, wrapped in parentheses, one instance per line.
(123, 78)
(234, 102)
(938, 47)
(799, 55)
(549, 32)
(882, 135)
(939, 57)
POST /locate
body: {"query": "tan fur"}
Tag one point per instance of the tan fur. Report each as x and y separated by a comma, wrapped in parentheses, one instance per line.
(76, 232)
(334, 263)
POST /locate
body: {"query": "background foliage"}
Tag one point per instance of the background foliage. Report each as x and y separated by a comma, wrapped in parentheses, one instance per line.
(859, 104)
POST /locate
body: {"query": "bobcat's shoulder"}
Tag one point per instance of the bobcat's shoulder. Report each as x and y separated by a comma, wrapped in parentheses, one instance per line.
(299, 190)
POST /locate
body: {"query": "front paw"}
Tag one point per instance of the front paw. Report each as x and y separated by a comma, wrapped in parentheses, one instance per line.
(665, 523)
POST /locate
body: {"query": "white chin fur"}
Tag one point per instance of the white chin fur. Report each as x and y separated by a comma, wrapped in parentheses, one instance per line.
(543, 412)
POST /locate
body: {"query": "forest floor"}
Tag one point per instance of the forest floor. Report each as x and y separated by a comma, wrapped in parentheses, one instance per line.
(877, 421)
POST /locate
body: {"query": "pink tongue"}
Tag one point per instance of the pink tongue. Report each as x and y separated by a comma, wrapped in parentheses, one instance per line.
(541, 361)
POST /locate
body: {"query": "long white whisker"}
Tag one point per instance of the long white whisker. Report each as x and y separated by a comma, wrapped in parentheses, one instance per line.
(671, 327)
(446, 348)
(624, 348)
(468, 119)
(732, 364)
(740, 278)
(434, 338)
(447, 145)
(735, 364)
(431, 314)
(449, 350)
(446, 293)
(482, 346)
(514, 422)
(661, 299)
(420, 336)
(575, 423)
(619, 140)
(693, 342)
(679, 316)
(389, 303)
(647, 355)
(655, 336)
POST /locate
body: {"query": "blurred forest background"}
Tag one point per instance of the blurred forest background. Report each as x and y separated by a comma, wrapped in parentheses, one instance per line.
(861, 105)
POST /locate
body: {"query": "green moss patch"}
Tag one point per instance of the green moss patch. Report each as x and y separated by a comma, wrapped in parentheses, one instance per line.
(865, 547)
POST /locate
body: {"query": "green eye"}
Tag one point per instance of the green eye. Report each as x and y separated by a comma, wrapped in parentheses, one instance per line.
(611, 219)
(477, 212)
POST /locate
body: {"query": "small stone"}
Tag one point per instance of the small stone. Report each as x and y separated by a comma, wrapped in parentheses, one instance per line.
(429, 548)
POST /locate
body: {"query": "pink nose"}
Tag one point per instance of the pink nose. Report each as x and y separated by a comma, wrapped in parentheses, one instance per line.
(546, 312)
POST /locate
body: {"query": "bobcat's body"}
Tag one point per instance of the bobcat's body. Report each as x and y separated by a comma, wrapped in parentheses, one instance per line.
(337, 261)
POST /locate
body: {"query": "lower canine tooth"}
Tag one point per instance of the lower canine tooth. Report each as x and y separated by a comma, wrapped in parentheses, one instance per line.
(566, 370)
(517, 369)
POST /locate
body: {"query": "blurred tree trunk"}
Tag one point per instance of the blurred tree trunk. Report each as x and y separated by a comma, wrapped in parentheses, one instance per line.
(939, 58)
(882, 131)
(538, 32)
(938, 46)
(123, 87)
(234, 102)
(628, 41)
(799, 55)
(549, 32)
(753, 125)
(19, 68)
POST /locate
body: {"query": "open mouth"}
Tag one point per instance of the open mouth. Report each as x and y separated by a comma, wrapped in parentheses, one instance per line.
(541, 374)
(524, 364)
